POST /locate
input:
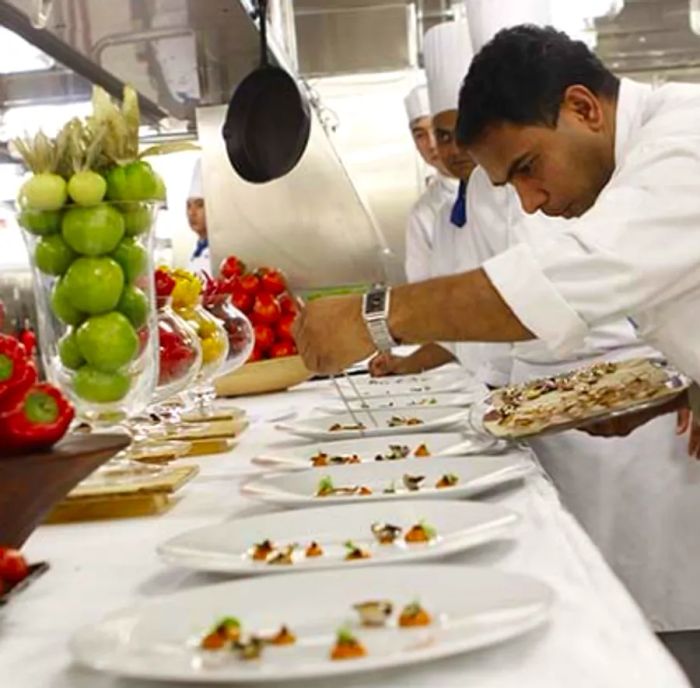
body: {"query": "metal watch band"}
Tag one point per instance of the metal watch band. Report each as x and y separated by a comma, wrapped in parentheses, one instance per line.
(375, 311)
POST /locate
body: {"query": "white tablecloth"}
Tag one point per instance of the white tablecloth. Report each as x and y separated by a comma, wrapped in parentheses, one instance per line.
(596, 636)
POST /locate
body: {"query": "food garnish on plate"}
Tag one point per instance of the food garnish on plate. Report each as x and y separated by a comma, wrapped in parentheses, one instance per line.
(347, 646)
(385, 533)
(447, 480)
(414, 615)
(325, 488)
(420, 532)
(314, 550)
(223, 634)
(337, 427)
(283, 637)
(283, 557)
(421, 451)
(354, 552)
(262, 550)
(250, 648)
(400, 421)
(391, 489)
(374, 613)
(412, 482)
(320, 459)
(396, 451)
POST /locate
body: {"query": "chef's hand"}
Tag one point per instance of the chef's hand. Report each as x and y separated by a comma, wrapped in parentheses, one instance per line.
(624, 425)
(386, 363)
(686, 422)
(331, 334)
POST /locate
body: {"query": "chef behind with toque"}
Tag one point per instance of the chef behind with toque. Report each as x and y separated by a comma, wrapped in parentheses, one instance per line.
(420, 228)
(197, 219)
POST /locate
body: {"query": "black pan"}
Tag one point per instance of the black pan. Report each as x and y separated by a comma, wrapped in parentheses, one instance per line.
(268, 122)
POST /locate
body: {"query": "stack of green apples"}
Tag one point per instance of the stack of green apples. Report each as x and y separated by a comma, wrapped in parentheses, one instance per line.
(87, 211)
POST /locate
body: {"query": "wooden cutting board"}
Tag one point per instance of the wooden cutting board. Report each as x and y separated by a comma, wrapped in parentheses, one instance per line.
(123, 500)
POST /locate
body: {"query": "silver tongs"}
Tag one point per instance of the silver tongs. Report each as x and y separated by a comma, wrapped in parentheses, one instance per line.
(363, 404)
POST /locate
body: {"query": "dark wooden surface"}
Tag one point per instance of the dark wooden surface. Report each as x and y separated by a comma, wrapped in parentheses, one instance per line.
(31, 484)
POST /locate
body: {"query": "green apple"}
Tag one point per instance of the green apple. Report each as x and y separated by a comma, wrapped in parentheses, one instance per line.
(134, 305)
(40, 222)
(94, 285)
(52, 255)
(107, 342)
(99, 387)
(62, 307)
(135, 181)
(68, 351)
(132, 258)
(93, 231)
(87, 187)
(137, 218)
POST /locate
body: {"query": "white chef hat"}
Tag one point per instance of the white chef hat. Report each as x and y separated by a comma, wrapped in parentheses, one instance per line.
(196, 186)
(487, 17)
(447, 51)
(417, 103)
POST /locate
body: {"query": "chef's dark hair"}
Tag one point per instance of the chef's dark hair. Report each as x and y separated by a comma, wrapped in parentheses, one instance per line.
(520, 77)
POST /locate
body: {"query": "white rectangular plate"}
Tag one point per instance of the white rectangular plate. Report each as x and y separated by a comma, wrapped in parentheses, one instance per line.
(425, 383)
(368, 448)
(227, 547)
(475, 474)
(318, 427)
(471, 608)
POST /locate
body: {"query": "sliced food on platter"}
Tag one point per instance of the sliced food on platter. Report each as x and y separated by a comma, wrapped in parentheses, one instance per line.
(339, 536)
(345, 426)
(314, 624)
(370, 450)
(598, 391)
(444, 477)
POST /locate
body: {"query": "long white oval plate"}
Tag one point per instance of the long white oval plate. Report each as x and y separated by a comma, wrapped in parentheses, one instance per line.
(228, 547)
(474, 474)
(471, 608)
(368, 448)
(403, 402)
(426, 383)
(319, 427)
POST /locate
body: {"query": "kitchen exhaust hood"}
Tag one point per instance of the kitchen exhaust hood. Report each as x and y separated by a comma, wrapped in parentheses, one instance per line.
(185, 58)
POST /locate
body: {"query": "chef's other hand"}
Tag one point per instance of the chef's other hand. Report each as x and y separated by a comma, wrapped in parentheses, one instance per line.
(686, 421)
(385, 363)
(624, 425)
(331, 334)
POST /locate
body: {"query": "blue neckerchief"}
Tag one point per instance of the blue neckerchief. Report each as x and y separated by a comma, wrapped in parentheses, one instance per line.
(200, 247)
(458, 216)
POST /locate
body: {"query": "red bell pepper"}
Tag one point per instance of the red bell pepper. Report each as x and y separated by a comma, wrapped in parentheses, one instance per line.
(38, 421)
(17, 372)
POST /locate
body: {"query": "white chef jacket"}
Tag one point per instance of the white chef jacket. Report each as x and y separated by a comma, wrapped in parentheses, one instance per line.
(202, 263)
(420, 228)
(638, 497)
(636, 252)
(456, 249)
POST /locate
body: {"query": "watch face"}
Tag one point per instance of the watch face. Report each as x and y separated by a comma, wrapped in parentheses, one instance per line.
(375, 302)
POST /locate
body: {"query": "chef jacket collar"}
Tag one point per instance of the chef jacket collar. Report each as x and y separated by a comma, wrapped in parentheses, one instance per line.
(630, 106)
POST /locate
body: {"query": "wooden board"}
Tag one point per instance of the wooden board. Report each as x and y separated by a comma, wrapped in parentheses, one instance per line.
(218, 429)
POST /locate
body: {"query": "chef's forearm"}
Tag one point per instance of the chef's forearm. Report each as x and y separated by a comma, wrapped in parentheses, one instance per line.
(457, 308)
(429, 356)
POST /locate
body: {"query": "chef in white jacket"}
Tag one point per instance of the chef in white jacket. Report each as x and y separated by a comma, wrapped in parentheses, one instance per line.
(197, 220)
(420, 227)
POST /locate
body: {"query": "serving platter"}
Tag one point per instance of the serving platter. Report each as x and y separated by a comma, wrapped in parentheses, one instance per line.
(404, 402)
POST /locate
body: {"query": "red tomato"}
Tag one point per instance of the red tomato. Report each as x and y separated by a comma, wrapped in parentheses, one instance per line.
(242, 299)
(264, 336)
(287, 303)
(266, 310)
(165, 283)
(249, 284)
(231, 267)
(285, 347)
(284, 326)
(13, 566)
(226, 285)
(257, 354)
(272, 281)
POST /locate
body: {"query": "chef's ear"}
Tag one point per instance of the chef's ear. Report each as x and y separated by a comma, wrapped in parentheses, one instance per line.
(584, 107)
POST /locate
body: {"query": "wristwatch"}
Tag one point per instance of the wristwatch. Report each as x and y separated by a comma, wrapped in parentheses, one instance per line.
(375, 311)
